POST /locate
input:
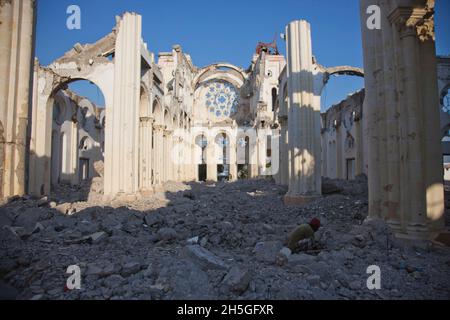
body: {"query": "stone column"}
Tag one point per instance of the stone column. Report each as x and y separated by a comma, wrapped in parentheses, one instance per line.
(145, 155)
(211, 160)
(168, 164)
(340, 140)
(122, 125)
(233, 159)
(405, 171)
(303, 118)
(284, 145)
(16, 51)
(359, 142)
(158, 154)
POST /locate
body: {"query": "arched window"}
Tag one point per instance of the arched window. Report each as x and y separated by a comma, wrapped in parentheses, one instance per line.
(274, 98)
(202, 142)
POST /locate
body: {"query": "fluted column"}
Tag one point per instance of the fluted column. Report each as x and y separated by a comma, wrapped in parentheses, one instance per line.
(211, 160)
(284, 165)
(158, 154)
(303, 118)
(145, 144)
(16, 45)
(122, 125)
(405, 169)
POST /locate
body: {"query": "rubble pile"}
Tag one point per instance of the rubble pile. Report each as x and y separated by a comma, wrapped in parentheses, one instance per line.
(209, 241)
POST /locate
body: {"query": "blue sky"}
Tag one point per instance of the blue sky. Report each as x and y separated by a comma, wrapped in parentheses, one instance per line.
(225, 31)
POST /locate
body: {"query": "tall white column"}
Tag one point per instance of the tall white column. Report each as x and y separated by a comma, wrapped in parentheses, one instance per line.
(122, 150)
(303, 118)
(16, 46)
(145, 153)
(158, 154)
(284, 145)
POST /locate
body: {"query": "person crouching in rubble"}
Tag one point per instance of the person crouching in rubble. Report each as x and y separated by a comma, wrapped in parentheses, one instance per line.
(303, 235)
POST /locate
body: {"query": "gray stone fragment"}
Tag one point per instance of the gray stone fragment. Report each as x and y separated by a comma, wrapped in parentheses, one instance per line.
(113, 281)
(267, 251)
(130, 268)
(236, 281)
(204, 258)
(167, 234)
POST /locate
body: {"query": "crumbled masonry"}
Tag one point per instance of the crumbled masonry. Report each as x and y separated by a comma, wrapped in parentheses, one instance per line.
(209, 241)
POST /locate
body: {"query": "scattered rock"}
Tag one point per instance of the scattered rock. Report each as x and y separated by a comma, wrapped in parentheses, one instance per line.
(167, 234)
(152, 219)
(130, 268)
(204, 258)
(313, 280)
(267, 251)
(301, 259)
(42, 202)
(193, 240)
(94, 238)
(236, 280)
(113, 281)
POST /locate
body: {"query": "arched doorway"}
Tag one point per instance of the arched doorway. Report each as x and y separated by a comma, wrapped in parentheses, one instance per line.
(68, 134)
(243, 157)
(223, 157)
(201, 144)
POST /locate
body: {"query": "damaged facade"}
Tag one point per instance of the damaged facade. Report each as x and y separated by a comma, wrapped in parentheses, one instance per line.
(166, 119)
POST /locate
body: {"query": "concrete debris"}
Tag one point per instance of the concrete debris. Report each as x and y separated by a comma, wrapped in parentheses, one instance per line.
(236, 281)
(199, 241)
(204, 258)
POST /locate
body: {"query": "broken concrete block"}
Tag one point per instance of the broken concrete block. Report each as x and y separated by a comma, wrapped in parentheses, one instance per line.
(236, 281)
(313, 280)
(92, 239)
(42, 202)
(97, 237)
(113, 281)
(130, 268)
(267, 251)
(151, 219)
(193, 240)
(301, 259)
(167, 234)
(38, 228)
(63, 208)
(94, 270)
(283, 256)
(204, 258)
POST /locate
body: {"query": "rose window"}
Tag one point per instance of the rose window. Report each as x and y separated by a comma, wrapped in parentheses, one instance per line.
(222, 99)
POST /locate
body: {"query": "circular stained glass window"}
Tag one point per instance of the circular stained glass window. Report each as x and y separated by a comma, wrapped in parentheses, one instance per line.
(446, 102)
(222, 99)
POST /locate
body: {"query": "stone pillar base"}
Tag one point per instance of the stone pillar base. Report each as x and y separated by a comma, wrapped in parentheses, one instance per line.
(298, 200)
(413, 232)
(158, 188)
(147, 192)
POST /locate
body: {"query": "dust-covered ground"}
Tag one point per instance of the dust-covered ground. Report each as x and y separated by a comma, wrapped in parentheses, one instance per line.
(199, 241)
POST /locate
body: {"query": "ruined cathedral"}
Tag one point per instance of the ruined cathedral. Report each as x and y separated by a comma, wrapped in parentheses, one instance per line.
(166, 119)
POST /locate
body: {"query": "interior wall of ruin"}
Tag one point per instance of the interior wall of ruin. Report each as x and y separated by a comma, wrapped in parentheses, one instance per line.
(343, 139)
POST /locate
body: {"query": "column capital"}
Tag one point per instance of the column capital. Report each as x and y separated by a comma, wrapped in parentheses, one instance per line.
(159, 127)
(417, 22)
(147, 119)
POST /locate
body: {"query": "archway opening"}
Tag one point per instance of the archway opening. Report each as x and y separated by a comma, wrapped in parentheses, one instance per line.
(342, 106)
(77, 112)
(223, 157)
(243, 152)
(202, 143)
